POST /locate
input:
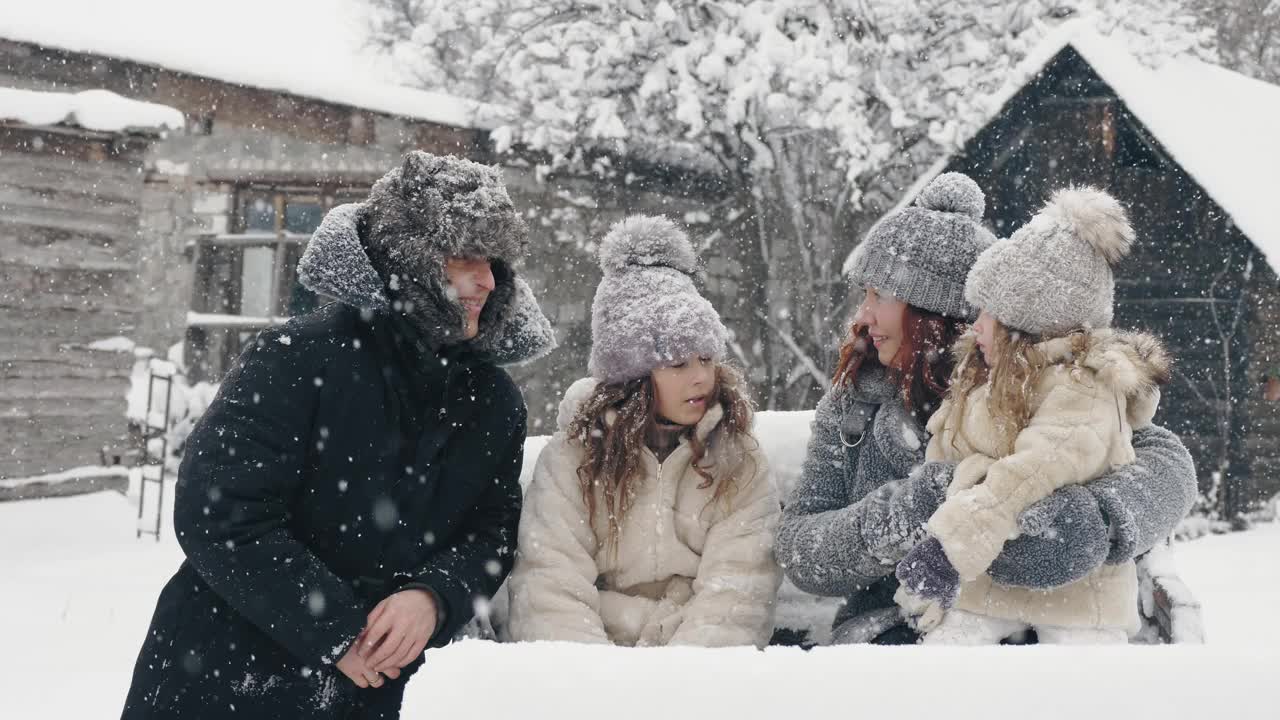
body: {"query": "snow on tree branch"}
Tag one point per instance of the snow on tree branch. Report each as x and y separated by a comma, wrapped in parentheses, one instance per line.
(727, 76)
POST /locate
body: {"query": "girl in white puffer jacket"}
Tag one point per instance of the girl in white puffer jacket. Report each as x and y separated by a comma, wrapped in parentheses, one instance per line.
(651, 516)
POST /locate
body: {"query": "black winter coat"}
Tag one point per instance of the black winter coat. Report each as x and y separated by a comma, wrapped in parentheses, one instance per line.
(336, 465)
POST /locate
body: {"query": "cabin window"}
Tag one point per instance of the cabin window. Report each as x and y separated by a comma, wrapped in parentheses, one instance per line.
(247, 279)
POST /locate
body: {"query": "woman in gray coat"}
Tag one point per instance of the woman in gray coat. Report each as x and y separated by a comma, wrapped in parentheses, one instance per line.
(865, 491)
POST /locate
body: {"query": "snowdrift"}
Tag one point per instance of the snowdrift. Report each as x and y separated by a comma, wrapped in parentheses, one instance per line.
(564, 681)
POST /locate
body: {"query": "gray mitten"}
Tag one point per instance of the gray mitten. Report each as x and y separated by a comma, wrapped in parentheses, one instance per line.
(927, 573)
(1064, 538)
(1044, 518)
(898, 511)
(927, 488)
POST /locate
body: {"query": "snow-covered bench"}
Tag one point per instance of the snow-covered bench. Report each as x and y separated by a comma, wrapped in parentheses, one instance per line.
(1170, 612)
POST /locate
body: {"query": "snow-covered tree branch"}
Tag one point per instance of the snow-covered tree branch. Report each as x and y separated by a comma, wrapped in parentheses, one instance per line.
(813, 113)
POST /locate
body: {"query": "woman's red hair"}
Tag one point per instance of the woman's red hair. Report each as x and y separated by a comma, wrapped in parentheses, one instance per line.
(922, 366)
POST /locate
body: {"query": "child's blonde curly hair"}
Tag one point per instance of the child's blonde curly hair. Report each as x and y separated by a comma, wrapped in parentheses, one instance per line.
(1011, 378)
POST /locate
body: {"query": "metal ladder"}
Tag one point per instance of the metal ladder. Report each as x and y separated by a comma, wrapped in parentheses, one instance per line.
(150, 431)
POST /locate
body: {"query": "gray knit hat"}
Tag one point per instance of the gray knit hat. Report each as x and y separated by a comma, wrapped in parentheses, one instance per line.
(1054, 275)
(647, 312)
(921, 254)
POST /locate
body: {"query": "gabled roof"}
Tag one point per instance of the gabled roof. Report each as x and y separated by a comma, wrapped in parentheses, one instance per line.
(310, 48)
(1221, 127)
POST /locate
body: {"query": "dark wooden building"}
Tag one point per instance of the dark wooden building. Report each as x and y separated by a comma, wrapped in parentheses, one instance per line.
(1192, 150)
(71, 182)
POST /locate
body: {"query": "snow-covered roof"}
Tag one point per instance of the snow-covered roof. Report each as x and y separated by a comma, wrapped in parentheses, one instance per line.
(99, 110)
(1218, 125)
(311, 48)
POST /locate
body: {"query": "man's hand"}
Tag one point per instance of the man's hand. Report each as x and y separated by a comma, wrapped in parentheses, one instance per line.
(398, 631)
(355, 668)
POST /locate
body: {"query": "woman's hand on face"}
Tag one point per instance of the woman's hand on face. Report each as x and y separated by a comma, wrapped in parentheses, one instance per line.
(399, 629)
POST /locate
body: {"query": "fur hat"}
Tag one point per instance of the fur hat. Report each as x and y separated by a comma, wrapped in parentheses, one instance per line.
(388, 254)
(647, 313)
(1055, 273)
(438, 206)
(921, 254)
(429, 209)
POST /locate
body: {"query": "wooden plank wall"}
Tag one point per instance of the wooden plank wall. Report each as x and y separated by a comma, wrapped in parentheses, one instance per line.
(69, 208)
(1263, 441)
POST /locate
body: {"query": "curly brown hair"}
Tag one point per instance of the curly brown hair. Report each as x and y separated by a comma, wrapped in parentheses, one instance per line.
(613, 423)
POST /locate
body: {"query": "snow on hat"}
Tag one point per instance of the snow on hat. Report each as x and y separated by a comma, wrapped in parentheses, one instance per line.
(921, 254)
(440, 206)
(1054, 274)
(647, 313)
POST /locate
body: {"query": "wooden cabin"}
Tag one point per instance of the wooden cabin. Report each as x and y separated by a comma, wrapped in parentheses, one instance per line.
(1192, 150)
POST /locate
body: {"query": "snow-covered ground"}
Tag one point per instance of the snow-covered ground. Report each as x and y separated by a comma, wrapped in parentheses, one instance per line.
(77, 591)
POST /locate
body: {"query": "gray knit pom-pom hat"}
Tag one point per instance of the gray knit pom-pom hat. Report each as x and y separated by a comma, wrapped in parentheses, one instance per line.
(1054, 274)
(922, 254)
(647, 313)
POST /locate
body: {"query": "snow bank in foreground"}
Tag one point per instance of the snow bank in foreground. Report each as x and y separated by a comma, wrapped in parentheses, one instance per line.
(99, 110)
(567, 681)
(78, 591)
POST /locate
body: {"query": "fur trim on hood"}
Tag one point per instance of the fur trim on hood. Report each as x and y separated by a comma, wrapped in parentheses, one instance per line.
(335, 263)
(1132, 364)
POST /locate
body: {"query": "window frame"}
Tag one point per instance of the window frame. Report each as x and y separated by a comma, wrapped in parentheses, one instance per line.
(216, 326)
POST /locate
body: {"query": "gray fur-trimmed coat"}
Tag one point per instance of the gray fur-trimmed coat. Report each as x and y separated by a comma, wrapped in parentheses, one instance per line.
(865, 494)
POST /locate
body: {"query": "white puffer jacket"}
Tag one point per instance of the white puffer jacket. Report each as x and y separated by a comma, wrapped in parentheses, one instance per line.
(1086, 403)
(685, 571)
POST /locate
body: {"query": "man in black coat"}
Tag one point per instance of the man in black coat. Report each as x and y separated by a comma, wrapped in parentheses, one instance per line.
(353, 491)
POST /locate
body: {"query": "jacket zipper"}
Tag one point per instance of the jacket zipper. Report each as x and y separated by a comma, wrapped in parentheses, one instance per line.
(658, 506)
(444, 399)
(657, 520)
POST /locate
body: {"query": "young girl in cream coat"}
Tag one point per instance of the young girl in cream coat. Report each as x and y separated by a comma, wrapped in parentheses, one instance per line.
(1044, 395)
(651, 515)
